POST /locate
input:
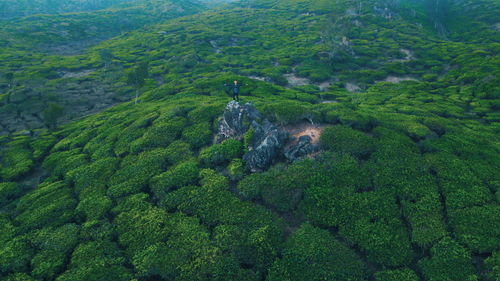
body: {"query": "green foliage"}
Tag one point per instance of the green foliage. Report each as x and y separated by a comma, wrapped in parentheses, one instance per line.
(185, 173)
(197, 135)
(236, 169)
(52, 113)
(135, 172)
(404, 274)
(93, 174)
(407, 165)
(53, 245)
(448, 261)
(178, 151)
(218, 154)
(94, 207)
(477, 227)
(50, 204)
(492, 264)
(16, 160)
(346, 140)
(97, 260)
(15, 255)
(159, 135)
(8, 192)
(313, 254)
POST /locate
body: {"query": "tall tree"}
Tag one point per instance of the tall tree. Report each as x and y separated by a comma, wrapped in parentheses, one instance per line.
(137, 77)
(52, 113)
(9, 76)
(106, 56)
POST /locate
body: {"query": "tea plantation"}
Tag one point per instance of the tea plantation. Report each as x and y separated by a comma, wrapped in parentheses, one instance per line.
(96, 185)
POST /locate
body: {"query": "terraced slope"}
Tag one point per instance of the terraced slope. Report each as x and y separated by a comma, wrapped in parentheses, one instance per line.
(405, 187)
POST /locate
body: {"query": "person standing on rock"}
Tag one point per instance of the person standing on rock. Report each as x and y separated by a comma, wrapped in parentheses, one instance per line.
(235, 89)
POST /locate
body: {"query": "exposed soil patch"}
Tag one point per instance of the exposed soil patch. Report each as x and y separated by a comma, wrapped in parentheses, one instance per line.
(408, 56)
(305, 129)
(76, 74)
(396, 79)
(351, 87)
(296, 81)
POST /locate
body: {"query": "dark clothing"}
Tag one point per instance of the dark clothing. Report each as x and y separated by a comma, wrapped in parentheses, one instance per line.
(235, 89)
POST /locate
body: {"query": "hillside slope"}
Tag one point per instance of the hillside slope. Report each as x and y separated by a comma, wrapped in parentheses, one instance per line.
(405, 186)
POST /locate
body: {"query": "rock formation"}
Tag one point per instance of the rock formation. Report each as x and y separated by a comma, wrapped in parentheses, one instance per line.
(301, 149)
(267, 140)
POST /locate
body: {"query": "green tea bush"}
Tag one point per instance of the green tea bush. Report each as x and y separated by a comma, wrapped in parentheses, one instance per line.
(16, 161)
(197, 135)
(159, 135)
(96, 173)
(448, 261)
(54, 246)
(135, 172)
(97, 260)
(236, 169)
(15, 255)
(185, 173)
(478, 227)
(492, 264)
(50, 204)
(8, 192)
(64, 161)
(404, 274)
(94, 207)
(346, 140)
(218, 154)
(313, 254)
(178, 151)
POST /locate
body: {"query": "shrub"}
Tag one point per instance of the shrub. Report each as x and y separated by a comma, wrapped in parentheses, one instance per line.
(236, 169)
(96, 173)
(54, 245)
(197, 135)
(404, 274)
(8, 192)
(448, 261)
(51, 204)
(178, 151)
(346, 140)
(15, 162)
(478, 227)
(94, 207)
(492, 264)
(221, 153)
(136, 171)
(160, 134)
(97, 260)
(313, 254)
(185, 173)
(15, 255)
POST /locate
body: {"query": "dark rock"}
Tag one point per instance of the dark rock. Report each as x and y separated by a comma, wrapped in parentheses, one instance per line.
(267, 140)
(236, 121)
(301, 149)
(265, 147)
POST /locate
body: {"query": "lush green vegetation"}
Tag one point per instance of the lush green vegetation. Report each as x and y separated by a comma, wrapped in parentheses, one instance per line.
(406, 186)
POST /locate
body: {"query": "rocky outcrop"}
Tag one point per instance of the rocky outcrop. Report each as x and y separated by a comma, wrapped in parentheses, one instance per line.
(265, 146)
(236, 121)
(301, 149)
(267, 140)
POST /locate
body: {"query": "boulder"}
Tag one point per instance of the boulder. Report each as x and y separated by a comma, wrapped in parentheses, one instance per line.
(236, 121)
(301, 149)
(267, 140)
(265, 147)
